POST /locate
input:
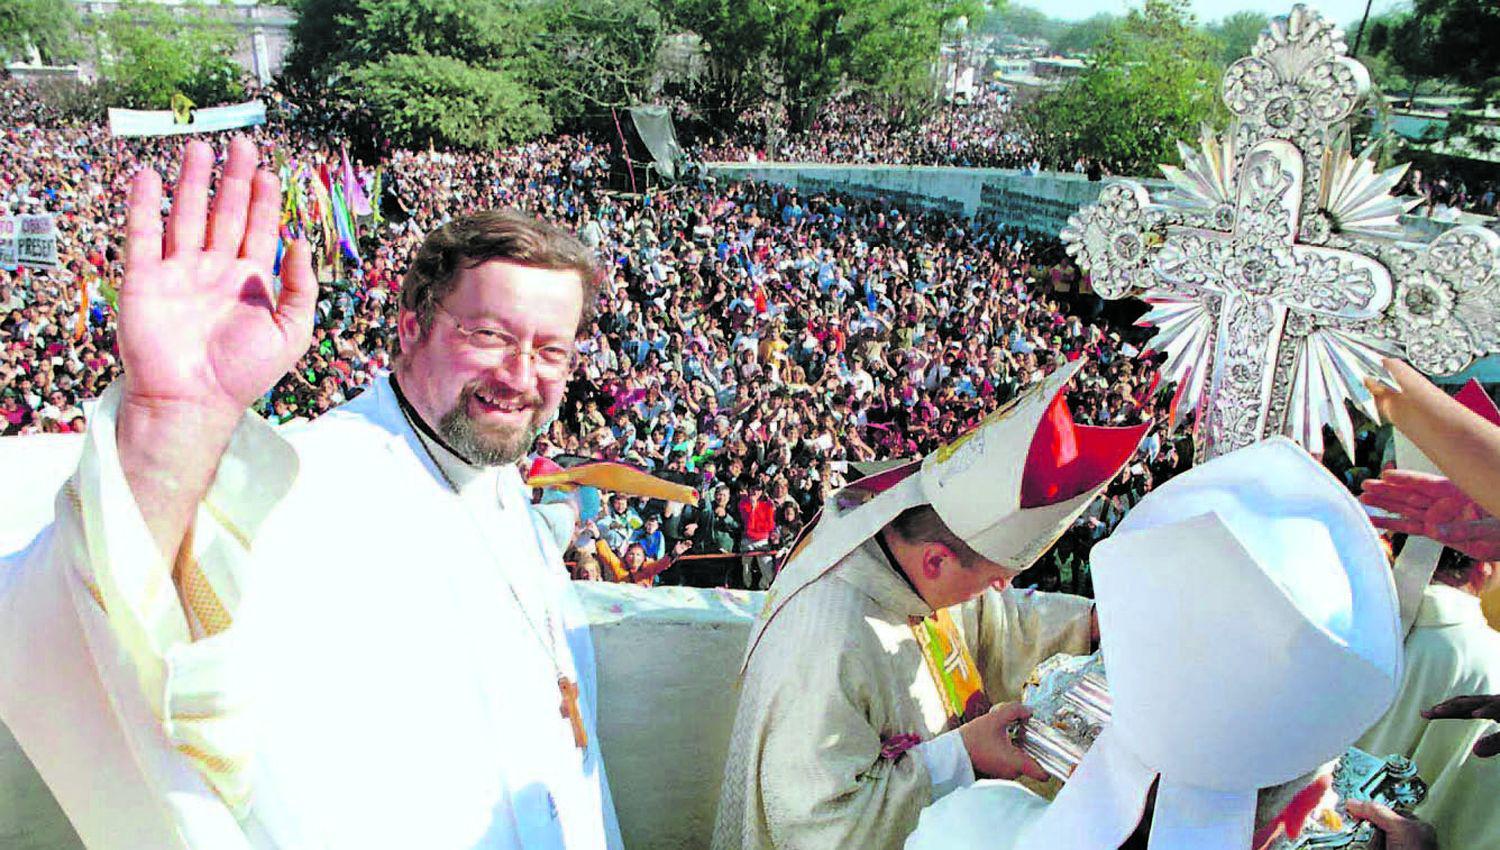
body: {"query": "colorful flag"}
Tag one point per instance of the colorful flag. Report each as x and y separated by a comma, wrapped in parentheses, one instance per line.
(354, 194)
(343, 221)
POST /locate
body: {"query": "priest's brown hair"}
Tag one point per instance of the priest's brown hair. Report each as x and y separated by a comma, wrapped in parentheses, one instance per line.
(506, 234)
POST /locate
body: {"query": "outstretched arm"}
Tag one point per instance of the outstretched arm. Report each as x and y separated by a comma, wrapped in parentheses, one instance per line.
(202, 330)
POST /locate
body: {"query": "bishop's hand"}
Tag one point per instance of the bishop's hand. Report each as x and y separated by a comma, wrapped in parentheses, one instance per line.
(991, 750)
(1433, 507)
(200, 326)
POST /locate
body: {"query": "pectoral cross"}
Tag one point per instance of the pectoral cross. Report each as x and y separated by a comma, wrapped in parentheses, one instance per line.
(569, 709)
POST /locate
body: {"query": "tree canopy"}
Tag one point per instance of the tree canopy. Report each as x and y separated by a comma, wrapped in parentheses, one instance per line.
(48, 26)
(149, 52)
(1152, 81)
(1237, 33)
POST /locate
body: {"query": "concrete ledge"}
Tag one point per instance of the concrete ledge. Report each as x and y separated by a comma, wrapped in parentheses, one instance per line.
(669, 660)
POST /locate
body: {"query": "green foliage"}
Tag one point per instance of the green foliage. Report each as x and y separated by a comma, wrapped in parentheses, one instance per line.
(1085, 35)
(422, 99)
(149, 51)
(594, 54)
(1453, 40)
(332, 37)
(1152, 81)
(51, 26)
(1237, 33)
(450, 72)
(1023, 22)
(797, 52)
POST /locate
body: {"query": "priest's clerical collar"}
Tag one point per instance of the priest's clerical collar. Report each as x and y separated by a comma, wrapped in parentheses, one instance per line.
(895, 565)
(458, 471)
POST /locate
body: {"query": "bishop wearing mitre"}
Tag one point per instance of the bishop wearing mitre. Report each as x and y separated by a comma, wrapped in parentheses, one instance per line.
(1250, 634)
(870, 683)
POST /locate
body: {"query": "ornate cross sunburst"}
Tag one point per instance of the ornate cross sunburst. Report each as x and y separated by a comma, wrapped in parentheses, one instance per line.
(1277, 267)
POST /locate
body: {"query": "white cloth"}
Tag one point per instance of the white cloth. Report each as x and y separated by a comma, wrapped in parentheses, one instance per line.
(362, 675)
(991, 814)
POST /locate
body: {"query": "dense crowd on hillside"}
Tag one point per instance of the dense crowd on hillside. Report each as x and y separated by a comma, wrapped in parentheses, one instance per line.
(752, 341)
(983, 132)
(976, 131)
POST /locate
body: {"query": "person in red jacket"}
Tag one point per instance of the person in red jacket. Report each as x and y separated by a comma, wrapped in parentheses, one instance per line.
(758, 514)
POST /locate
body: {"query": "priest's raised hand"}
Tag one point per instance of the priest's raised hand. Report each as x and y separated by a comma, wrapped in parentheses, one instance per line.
(202, 330)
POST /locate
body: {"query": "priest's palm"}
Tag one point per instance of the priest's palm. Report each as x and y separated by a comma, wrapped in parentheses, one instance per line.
(200, 325)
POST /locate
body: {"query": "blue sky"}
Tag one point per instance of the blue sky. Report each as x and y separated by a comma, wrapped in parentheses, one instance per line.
(1346, 12)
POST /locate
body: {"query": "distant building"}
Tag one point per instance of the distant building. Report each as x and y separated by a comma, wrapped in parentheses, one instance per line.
(265, 37)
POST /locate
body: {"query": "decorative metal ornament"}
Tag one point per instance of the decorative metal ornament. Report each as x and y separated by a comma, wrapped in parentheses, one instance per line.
(1277, 268)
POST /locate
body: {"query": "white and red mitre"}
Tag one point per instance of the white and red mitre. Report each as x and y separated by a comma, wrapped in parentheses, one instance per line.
(1249, 626)
(1009, 487)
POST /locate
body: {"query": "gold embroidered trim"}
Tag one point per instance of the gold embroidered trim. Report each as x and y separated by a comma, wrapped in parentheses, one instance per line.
(199, 596)
(94, 592)
(215, 764)
(227, 524)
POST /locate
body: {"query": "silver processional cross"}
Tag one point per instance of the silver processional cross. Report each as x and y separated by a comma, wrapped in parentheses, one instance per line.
(1277, 268)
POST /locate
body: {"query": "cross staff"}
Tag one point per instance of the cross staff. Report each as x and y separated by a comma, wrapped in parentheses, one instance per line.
(1278, 269)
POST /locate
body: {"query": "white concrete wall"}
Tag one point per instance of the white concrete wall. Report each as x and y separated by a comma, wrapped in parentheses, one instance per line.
(668, 662)
(1040, 202)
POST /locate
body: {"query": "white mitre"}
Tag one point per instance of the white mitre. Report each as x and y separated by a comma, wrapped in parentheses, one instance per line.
(1251, 634)
(1009, 487)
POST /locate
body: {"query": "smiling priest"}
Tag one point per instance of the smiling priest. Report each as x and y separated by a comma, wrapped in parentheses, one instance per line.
(353, 636)
(871, 678)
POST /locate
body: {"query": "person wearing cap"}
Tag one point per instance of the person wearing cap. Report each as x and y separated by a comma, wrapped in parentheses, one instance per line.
(868, 681)
(1250, 633)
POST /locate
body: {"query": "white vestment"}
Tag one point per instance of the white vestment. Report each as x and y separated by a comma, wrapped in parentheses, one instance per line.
(988, 815)
(1451, 651)
(838, 675)
(360, 657)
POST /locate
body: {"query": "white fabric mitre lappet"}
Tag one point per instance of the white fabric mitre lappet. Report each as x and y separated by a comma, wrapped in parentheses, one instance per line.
(1250, 629)
(1009, 487)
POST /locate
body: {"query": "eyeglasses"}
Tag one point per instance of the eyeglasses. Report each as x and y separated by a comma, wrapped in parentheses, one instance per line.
(550, 361)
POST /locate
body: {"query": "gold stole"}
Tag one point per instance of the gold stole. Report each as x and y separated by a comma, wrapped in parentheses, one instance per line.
(952, 667)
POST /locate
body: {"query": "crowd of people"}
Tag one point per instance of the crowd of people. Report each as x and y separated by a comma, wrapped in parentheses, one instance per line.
(1445, 194)
(978, 131)
(982, 131)
(752, 341)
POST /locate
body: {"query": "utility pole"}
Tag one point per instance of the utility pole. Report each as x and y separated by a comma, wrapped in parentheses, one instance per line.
(1360, 36)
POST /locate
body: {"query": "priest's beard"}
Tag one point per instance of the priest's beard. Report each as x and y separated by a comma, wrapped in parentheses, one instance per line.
(490, 445)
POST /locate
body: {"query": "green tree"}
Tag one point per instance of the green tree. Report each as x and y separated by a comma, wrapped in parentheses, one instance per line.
(595, 54)
(451, 72)
(796, 53)
(1023, 22)
(1237, 33)
(422, 99)
(1152, 81)
(1085, 35)
(49, 26)
(1453, 40)
(150, 51)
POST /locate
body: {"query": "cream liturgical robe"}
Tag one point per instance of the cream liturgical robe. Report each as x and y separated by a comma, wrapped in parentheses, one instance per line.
(361, 656)
(838, 678)
(1451, 651)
